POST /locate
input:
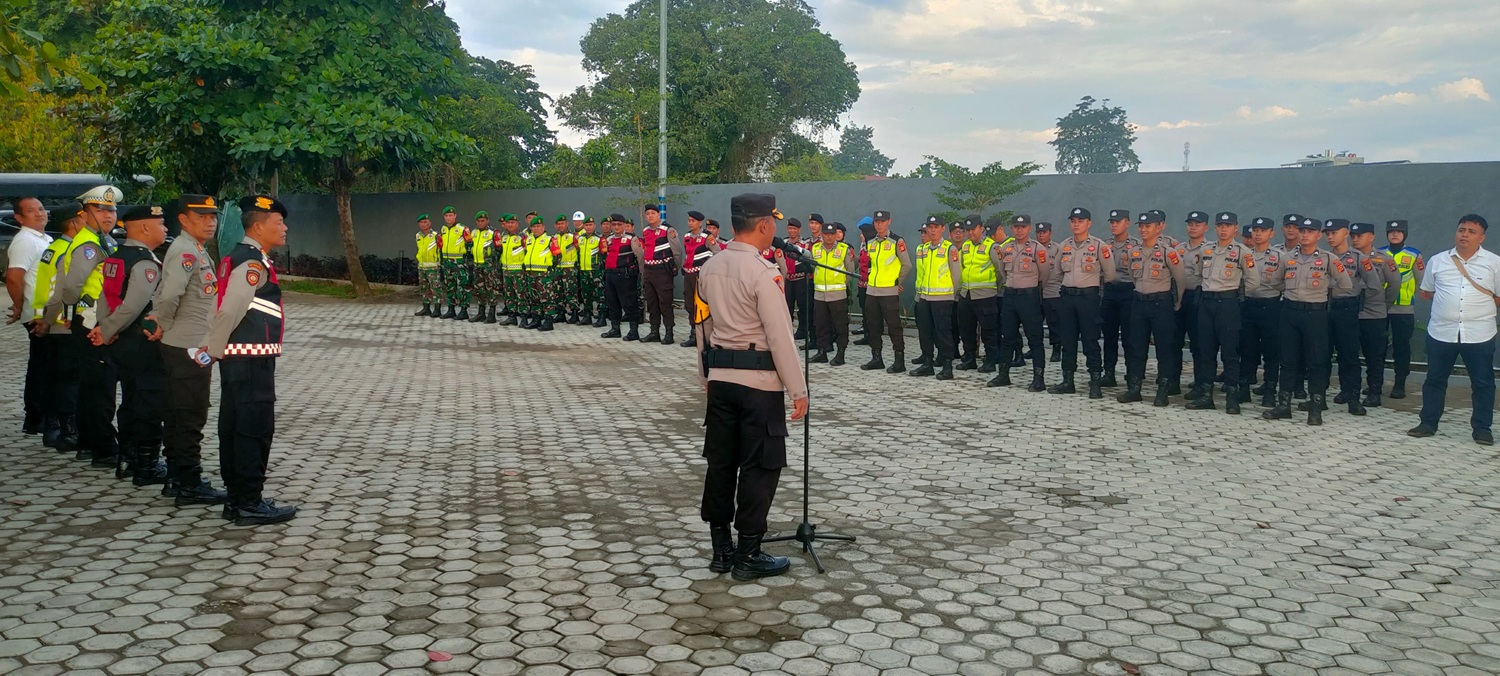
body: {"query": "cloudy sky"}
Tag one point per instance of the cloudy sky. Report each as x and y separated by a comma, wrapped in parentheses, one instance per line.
(1249, 84)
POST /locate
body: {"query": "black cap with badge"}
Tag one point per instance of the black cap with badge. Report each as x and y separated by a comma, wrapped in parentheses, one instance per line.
(830, 228)
(1247, 230)
(262, 203)
(1361, 228)
(142, 213)
(1335, 224)
(1226, 218)
(1080, 213)
(882, 215)
(931, 220)
(1022, 220)
(1263, 223)
(1291, 219)
(1397, 225)
(973, 221)
(198, 204)
(1119, 215)
(1196, 217)
(1149, 217)
(1310, 223)
(1044, 227)
(752, 205)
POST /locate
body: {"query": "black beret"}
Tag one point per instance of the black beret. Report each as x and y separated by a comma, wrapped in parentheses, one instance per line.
(1226, 218)
(265, 204)
(143, 212)
(695, 215)
(753, 205)
(815, 217)
(1335, 224)
(1080, 212)
(199, 204)
(1196, 217)
(653, 207)
(617, 218)
(793, 221)
(839, 226)
(1119, 214)
(710, 223)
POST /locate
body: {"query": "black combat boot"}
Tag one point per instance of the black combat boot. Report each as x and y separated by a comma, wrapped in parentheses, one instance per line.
(1242, 395)
(1108, 379)
(1205, 399)
(801, 334)
(819, 357)
(751, 563)
(51, 430)
(67, 439)
(613, 332)
(876, 362)
(1163, 394)
(479, 314)
(1132, 391)
(192, 489)
(1038, 383)
(1355, 407)
(463, 314)
(490, 318)
(1064, 387)
(1001, 379)
(32, 424)
(148, 469)
(1282, 410)
(924, 368)
(1264, 387)
(1398, 388)
(426, 311)
(600, 321)
(968, 364)
(1056, 354)
(1174, 388)
(692, 340)
(635, 332)
(1268, 397)
(576, 319)
(1341, 398)
(857, 329)
(946, 372)
(838, 359)
(723, 546)
(258, 512)
(546, 324)
(666, 337)
(1018, 360)
(921, 360)
(899, 365)
(1195, 392)
(1315, 412)
(1096, 387)
(654, 336)
(451, 313)
(1307, 405)
(105, 456)
(1231, 399)
(862, 340)
(1373, 398)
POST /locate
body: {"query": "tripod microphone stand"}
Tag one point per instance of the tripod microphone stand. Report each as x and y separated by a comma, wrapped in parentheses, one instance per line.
(807, 532)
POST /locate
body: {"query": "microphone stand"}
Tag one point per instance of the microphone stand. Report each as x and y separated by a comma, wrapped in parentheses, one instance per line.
(807, 532)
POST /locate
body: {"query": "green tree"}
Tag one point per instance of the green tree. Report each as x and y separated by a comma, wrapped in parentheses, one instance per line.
(331, 88)
(972, 192)
(1095, 140)
(743, 76)
(35, 139)
(815, 167)
(923, 170)
(26, 56)
(857, 153)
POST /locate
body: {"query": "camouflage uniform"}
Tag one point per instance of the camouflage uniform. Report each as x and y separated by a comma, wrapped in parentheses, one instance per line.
(455, 241)
(512, 257)
(564, 283)
(486, 268)
(429, 277)
(590, 281)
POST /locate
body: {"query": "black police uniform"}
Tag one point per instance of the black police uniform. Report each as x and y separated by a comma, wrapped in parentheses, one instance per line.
(143, 379)
(1116, 300)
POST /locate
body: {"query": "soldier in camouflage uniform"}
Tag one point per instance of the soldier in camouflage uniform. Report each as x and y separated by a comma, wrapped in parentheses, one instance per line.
(486, 268)
(590, 274)
(542, 254)
(454, 243)
(565, 276)
(512, 252)
(429, 276)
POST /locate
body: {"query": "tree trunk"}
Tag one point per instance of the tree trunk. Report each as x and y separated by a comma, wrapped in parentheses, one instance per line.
(343, 183)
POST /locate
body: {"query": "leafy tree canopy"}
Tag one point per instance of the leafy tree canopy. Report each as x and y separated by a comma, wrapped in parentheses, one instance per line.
(857, 153)
(1095, 140)
(972, 192)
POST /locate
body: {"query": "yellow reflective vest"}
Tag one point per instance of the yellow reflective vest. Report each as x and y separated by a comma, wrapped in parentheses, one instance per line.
(539, 254)
(46, 276)
(567, 242)
(934, 276)
(427, 249)
(513, 251)
(1406, 264)
(455, 242)
(885, 262)
(827, 280)
(978, 267)
(483, 245)
(588, 249)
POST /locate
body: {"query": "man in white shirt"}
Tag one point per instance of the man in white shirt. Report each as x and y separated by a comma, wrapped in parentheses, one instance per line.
(20, 281)
(1461, 283)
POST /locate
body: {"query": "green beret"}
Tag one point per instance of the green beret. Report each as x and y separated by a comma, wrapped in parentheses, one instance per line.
(482, 214)
(561, 217)
(449, 210)
(535, 220)
(423, 217)
(590, 219)
(507, 217)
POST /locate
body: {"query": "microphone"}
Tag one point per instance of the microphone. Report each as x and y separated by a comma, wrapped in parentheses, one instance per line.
(790, 250)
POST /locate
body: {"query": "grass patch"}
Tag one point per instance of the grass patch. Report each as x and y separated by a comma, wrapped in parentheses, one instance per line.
(326, 287)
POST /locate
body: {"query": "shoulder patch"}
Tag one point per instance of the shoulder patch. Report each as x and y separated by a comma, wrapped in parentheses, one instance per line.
(1369, 265)
(90, 252)
(953, 253)
(48, 255)
(150, 275)
(1174, 257)
(252, 276)
(779, 284)
(1421, 264)
(901, 245)
(189, 262)
(1338, 265)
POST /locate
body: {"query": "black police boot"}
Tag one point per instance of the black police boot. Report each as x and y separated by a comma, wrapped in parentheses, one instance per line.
(105, 456)
(450, 314)
(653, 337)
(1268, 396)
(1018, 360)
(1315, 412)
(1372, 399)
(1282, 410)
(1261, 391)
(479, 314)
(1174, 388)
(838, 358)
(858, 329)
(862, 340)
(490, 318)
(924, 367)
(666, 337)
(751, 563)
(1300, 392)
(1355, 407)
(600, 321)
(819, 357)
(1163, 394)
(546, 324)
(692, 340)
(1205, 399)
(193, 490)
(1194, 393)
(899, 365)
(1398, 388)
(67, 439)
(51, 431)
(946, 372)
(510, 319)
(1056, 354)
(613, 332)
(921, 360)
(801, 334)
(426, 311)
(1242, 395)
(1132, 391)
(987, 366)
(1096, 387)
(32, 424)
(876, 362)
(635, 332)
(148, 469)
(577, 319)
(463, 314)
(1341, 398)
(1231, 399)
(1064, 387)
(1108, 379)
(723, 546)
(1038, 383)
(259, 512)
(1001, 379)
(1307, 405)
(968, 364)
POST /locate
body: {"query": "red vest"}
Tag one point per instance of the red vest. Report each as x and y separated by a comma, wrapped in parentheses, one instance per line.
(656, 245)
(618, 253)
(696, 250)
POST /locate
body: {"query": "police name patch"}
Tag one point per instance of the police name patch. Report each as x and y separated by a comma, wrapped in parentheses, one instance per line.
(48, 255)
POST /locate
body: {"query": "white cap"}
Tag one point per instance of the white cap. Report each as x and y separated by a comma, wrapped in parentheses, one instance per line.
(578, 215)
(106, 195)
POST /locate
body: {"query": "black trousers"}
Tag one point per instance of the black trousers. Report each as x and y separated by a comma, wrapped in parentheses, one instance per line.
(935, 328)
(744, 441)
(979, 320)
(1218, 335)
(187, 412)
(1078, 318)
(1114, 315)
(1050, 313)
(1022, 312)
(247, 423)
(1373, 334)
(656, 285)
(143, 392)
(1186, 334)
(1150, 321)
(1261, 339)
(620, 300)
(831, 323)
(883, 313)
(1402, 327)
(1304, 346)
(796, 301)
(1343, 329)
(59, 368)
(38, 388)
(97, 382)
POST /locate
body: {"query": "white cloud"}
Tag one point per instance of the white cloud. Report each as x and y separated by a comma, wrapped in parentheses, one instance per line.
(1396, 99)
(1266, 114)
(1458, 90)
(1180, 124)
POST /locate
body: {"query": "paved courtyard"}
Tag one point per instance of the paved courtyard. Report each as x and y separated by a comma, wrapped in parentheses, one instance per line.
(488, 500)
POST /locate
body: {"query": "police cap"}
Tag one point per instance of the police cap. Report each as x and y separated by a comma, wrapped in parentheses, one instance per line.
(1398, 225)
(1291, 219)
(1361, 228)
(198, 204)
(1082, 213)
(1021, 220)
(830, 229)
(1196, 217)
(881, 215)
(59, 215)
(262, 203)
(1149, 217)
(1119, 215)
(746, 206)
(1263, 223)
(1309, 223)
(142, 213)
(1044, 227)
(104, 195)
(1226, 218)
(1335, 224)
(1247, 230)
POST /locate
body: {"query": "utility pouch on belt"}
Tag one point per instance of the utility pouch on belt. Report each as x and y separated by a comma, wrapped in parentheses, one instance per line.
(750, 360)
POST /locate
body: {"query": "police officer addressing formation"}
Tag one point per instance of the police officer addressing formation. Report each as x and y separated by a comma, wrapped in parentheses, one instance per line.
(748, 359)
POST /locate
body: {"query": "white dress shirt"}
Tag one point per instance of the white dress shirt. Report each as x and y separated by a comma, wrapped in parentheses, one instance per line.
(1460, 312)
(25, 252)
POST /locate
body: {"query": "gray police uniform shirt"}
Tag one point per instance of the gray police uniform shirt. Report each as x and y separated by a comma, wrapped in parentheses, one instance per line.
(1053, 287)
(1352, 261)
(68, 289)
(1379, 298)
(971, 249)
(1310, 278)
(144, 276)
(1190, 254)
(1024, 265)
(1270, 261)
(1086, 264)
(1156, 268)
(187, 295)
(1226, 267)
(747, 311)
(1120, 252)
